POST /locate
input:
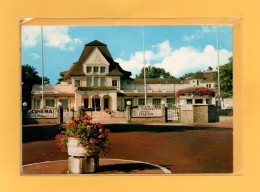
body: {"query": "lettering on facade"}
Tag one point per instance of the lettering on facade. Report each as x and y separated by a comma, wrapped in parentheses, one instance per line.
(35, 113)
(146, 111)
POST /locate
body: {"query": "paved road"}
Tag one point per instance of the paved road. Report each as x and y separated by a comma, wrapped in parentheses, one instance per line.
(182, 149)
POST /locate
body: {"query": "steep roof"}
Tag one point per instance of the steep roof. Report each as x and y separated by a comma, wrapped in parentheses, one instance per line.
(77, 68)
(95, 43)
(157, 81)
(209, 76)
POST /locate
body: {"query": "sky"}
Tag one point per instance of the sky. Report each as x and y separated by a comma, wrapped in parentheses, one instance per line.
(178, 49)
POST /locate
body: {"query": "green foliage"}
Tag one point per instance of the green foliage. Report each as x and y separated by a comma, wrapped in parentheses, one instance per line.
(226, 79)
(154, 72)
(186, 75)
(29, 78)
(91, 136)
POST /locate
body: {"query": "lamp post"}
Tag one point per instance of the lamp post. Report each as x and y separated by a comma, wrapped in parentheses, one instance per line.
(60, 112)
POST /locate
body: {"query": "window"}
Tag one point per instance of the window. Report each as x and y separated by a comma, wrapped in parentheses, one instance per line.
(198, 101)
(209, 85)
(189, 101)
(64, 103)
(96, 79)
(89, 69)
(37, 103)
(49, 102)
(198, 82)
(170, 102)
(103, 69)
(103, 81)
(95, 69)
(114, 83)
(157, 102)
(89, 81)
(77, 83)
(141, 102)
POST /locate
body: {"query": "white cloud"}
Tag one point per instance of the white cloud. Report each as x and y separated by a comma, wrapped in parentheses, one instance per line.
(177, 62)
(54, 36)
(30, 35)
(205, 29)
(34, 56)
(188, 59)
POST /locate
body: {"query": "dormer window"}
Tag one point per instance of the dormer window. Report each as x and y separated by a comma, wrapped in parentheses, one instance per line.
(89, 69)
(103, 69)
(77, 83)
(96, 69)
(114, 83)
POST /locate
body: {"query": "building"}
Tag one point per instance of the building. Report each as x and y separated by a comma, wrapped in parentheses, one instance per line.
(97, 81)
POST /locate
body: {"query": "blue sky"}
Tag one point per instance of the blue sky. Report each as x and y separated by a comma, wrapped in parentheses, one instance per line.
(177, 48)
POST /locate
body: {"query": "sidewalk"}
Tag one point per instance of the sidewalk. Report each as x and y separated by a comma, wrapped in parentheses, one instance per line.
(123, 121)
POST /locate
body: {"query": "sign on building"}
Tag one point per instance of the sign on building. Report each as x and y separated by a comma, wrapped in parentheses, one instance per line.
(36, 113)
(146, 111)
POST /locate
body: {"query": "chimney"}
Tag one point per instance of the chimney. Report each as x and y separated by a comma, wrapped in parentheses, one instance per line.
(210, 69)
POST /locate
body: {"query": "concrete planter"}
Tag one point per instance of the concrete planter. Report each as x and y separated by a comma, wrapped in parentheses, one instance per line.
(77, 163)
(74, 149)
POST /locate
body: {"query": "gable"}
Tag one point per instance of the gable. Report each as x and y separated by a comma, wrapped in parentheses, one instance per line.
(96, 58)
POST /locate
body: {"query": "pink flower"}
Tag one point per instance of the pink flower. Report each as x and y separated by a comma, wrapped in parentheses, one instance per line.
(63, 126)
(92, 151)
(85, 155)
(91, 141)
(87, 143)
(100, 130)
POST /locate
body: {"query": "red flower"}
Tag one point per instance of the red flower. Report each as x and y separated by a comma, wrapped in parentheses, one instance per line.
(72, 118)
(82, 135)
(100, 130)
(85, 155)
(63, 126)
(75, 135)
(87, 143)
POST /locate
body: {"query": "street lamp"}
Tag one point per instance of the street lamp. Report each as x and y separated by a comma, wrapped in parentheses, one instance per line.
(128, 103)
(163, 103)
(24, 104)
(59, 104)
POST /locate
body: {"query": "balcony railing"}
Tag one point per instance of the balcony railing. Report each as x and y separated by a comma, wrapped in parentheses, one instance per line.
(102, 88)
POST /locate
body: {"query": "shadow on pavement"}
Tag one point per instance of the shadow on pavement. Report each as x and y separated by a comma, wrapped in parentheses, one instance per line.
(119, 128)
(42, 133)
(127, 168)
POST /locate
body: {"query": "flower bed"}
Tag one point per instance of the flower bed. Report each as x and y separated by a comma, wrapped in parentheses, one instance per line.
(91, 136)
(198, 91)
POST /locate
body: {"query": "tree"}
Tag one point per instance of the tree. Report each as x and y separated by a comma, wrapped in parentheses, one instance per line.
(154, 72)
(226, 79)
(29, 78)
(186, 75)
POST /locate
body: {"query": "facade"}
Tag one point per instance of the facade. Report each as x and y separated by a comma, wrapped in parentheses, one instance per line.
(97, 81)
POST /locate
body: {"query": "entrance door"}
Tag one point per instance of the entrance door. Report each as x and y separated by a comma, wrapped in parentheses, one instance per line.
(106, 105)
(96, 104)
(86, 103)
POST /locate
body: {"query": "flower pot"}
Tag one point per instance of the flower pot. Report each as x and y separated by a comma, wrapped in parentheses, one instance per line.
(77, 163)
(83, 165)
(74, 149)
